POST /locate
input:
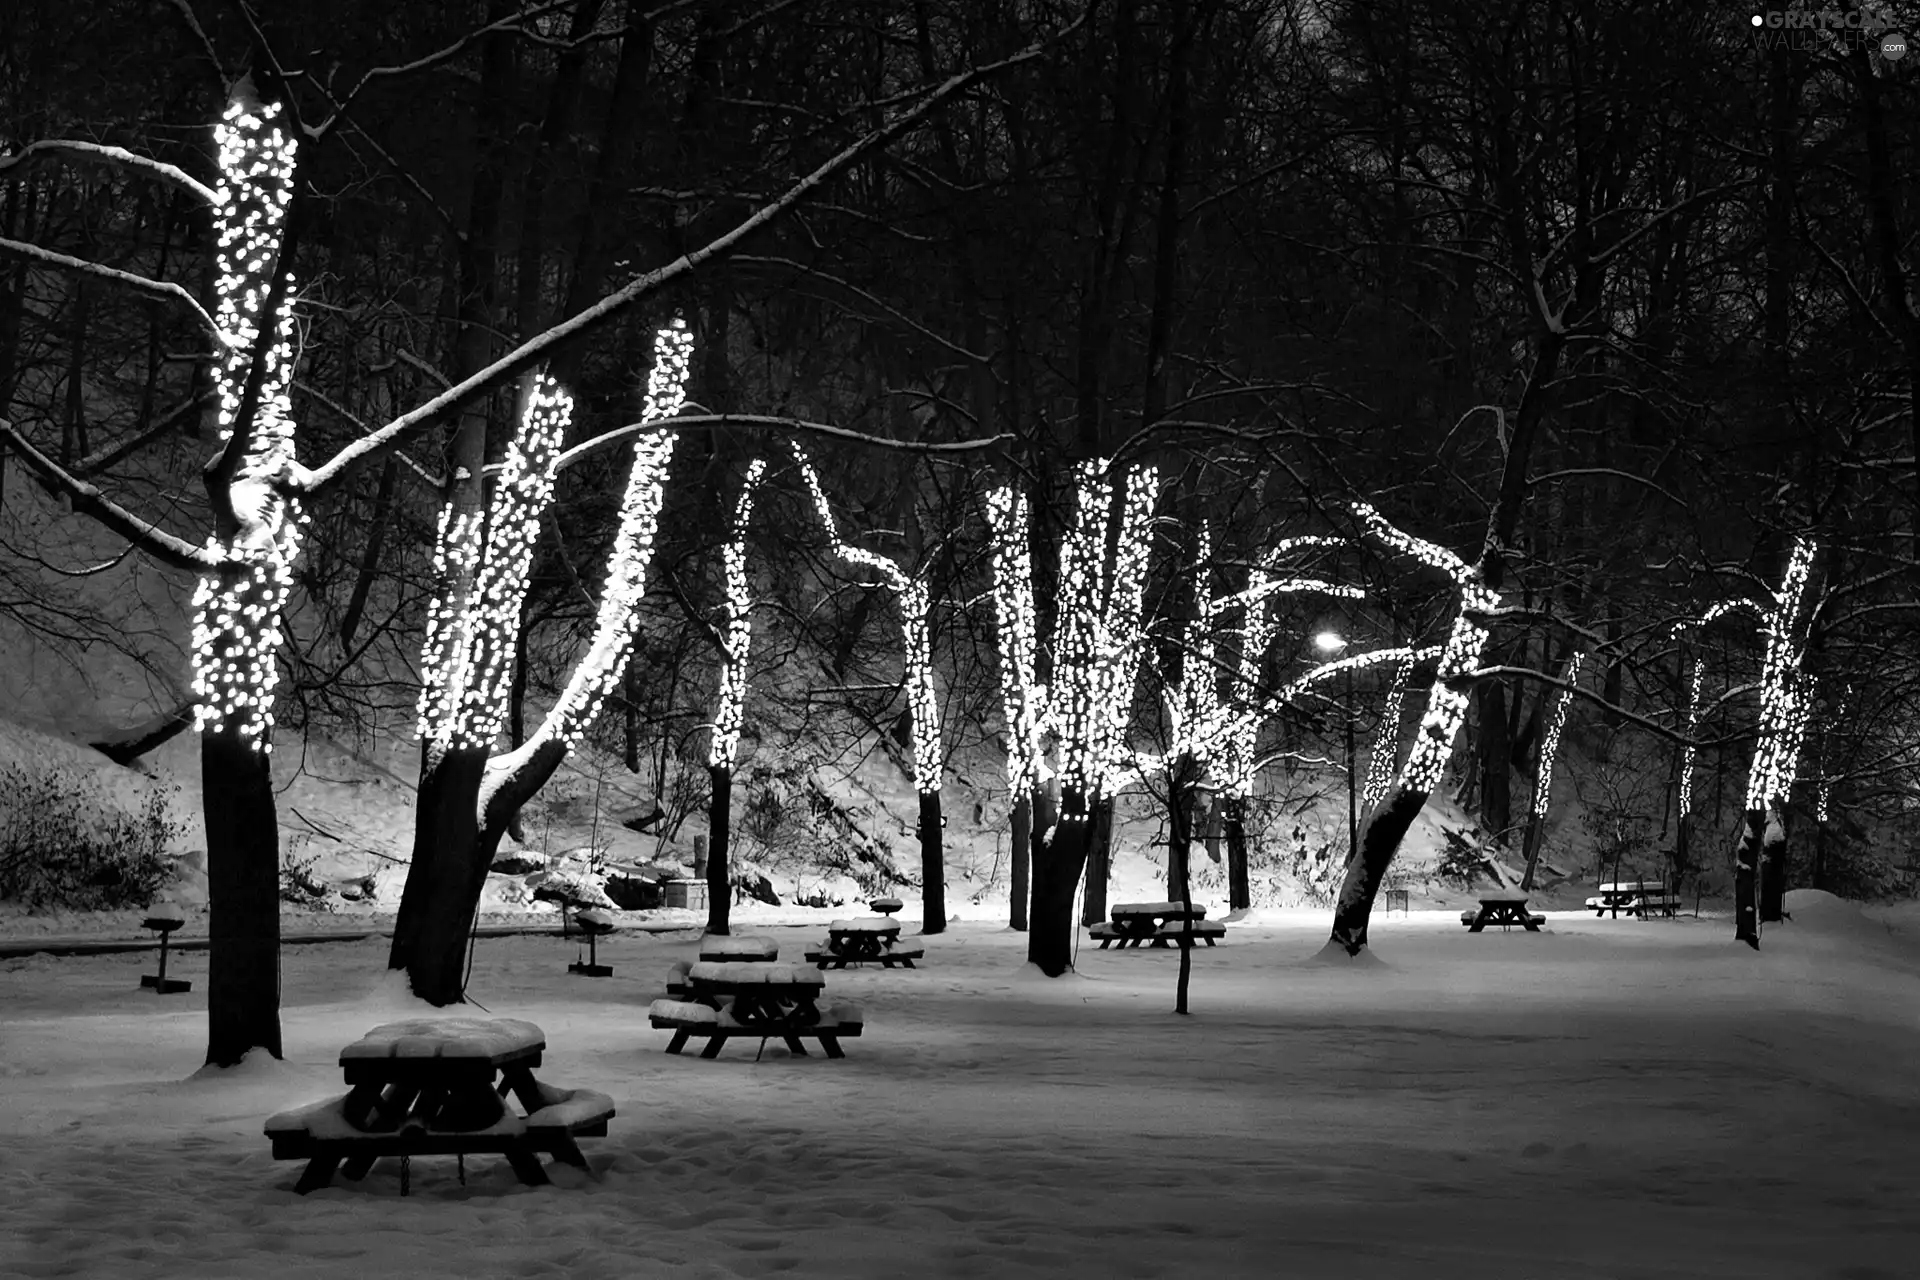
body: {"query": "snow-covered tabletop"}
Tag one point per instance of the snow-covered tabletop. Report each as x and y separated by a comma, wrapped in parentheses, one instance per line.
(1159, 910)
(865, 924)
(886, 906)
(493, 1039)
(730, 975)
(1503, 895)
(737, 949)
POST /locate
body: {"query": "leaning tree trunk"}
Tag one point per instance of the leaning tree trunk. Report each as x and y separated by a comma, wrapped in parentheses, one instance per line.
(1535, 826)
(442, 892)
(243, 896)
(933, 871)
(1239, 890)
(719, 831)
(1386, 827)
(1022, 854)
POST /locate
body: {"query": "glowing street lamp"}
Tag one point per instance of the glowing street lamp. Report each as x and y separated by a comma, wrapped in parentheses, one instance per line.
(1332, 644)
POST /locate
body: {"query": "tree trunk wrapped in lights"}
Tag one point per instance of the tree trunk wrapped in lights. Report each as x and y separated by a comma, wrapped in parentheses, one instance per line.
(1087, 677)
(237, 606)
(1543, 771)
(1384, 759)
(1020, 696)
(735, 642)
(1682, 835)
(922, 709)
(473, 630)
(475, 795)
(1446, 711)
(1785, 697)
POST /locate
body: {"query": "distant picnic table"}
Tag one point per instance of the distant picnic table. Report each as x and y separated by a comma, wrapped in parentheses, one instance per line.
(1505, 908)
(864, 940)
(1635, 897)
(425, 1086)
(1158, 924)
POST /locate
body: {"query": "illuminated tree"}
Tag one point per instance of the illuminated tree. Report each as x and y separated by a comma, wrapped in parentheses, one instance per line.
(1384, 759)
(1786, 698)
(237, 606)
(736, 638)
(1387, 823)
(1097, 617)
(1543, 771)
(469, 795)
(922, 711)
(1689, 751)
(1022, 701)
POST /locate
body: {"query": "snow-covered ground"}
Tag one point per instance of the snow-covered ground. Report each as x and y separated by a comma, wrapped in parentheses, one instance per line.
(1603, 1099)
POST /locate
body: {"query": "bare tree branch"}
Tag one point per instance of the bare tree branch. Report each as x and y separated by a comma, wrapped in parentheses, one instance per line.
(33, 151)
(799, 425)
(88, 500)
(158, 290)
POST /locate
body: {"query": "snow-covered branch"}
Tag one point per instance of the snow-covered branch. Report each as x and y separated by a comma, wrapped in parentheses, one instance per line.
(88, 500)
(158, 290)
(63, 147)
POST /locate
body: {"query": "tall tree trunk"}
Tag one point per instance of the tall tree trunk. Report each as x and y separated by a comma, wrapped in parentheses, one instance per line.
(719, 855)
(436, 913)
(1022, 824)
(1180, 784)
(1746, 878)
(933, 870)
(1239, 889)
(1535, 827)
(1773, 868)
(1098, 862)
(1057, 864)
(243, 898)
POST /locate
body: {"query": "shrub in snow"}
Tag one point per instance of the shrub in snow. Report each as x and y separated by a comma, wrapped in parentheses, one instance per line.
(64, 843)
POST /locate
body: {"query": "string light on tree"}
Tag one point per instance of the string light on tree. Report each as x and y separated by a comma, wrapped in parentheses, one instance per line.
(1123, 639)
(737, 639)
(459, 541)
(613, 629)
(237, 607)
(1022, 701)
(1783, 699)
(1385, 755)
(1446, 706)
(923, 712)
(1691, 750)
(520, 495)
(1550, 745)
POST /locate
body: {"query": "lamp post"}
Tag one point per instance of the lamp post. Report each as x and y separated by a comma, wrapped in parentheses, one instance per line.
(1332, 644)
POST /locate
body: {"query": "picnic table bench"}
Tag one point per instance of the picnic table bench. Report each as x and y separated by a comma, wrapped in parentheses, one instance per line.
(1505, 908)
(753, 998)
(1635, 897)
(425, 1086)
(859, 941)
(1136, 924)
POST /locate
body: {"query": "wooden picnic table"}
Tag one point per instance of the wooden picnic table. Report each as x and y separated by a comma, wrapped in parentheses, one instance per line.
(1134, 923)
(862, 939)
(1635, 897)
(1505, 908)
(425, 1086)
(754, 998)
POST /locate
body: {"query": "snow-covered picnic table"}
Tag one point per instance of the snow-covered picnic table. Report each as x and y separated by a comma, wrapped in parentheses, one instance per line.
(1635, 897)
(753, 998)
(425, 1086)
(1158, 923)
(1504, 907)
(864, 939)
